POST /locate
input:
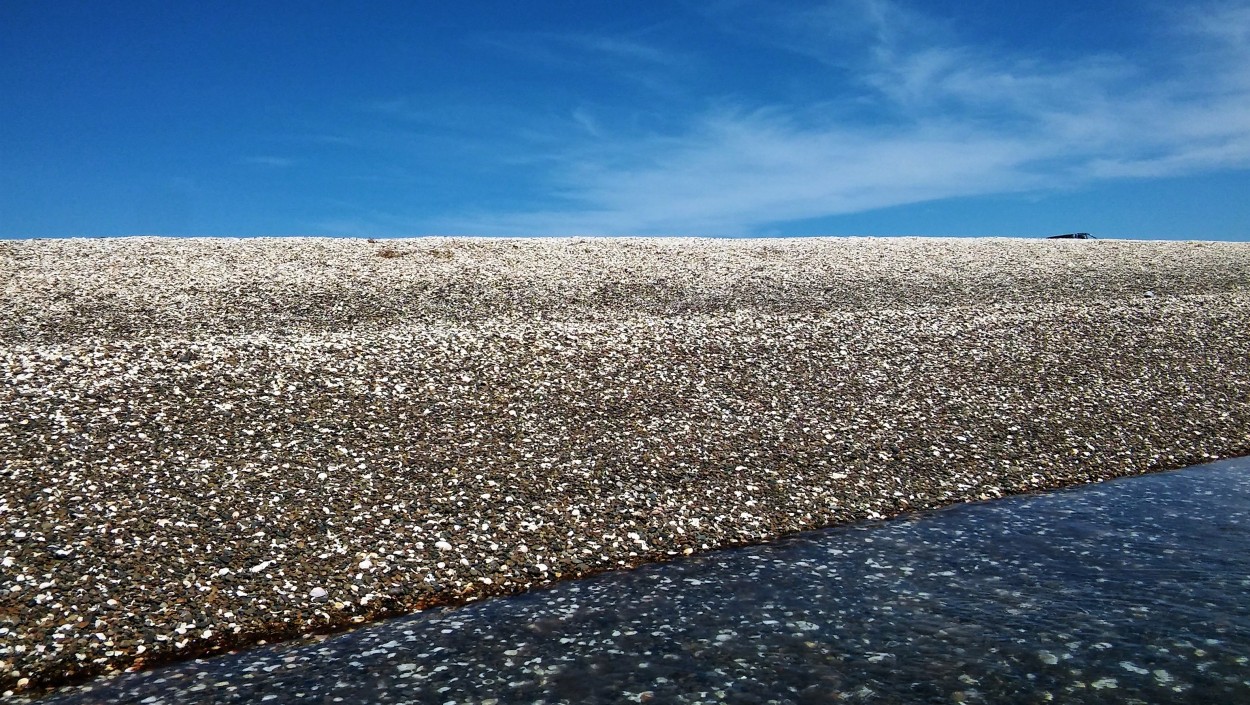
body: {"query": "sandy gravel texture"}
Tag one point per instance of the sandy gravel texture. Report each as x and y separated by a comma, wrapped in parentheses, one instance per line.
(205, 443)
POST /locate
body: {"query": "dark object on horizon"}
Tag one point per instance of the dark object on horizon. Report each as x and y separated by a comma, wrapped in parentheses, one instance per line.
(1072, 236)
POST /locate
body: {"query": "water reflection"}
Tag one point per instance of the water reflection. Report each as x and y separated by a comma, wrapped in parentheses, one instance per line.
(1132, 591)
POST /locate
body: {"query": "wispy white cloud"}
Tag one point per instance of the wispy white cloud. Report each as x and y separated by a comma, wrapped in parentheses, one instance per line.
(955, 120)
(627, 61)
(743, 171)
(587, 121)
(1227, 22)
(554, 48)
(619, 48)
(268, 161)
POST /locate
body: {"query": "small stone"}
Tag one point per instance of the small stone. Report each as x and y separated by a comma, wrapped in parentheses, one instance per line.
(318, 593)
(1104, 683)
(366, 564)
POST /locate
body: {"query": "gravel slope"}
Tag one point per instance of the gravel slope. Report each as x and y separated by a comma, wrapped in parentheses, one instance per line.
(205, 443)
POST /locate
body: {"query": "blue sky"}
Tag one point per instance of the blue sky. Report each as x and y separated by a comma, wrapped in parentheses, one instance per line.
(721, 117)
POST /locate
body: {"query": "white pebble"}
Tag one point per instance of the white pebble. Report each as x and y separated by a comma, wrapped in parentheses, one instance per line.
(1102, 683)
(317, 593)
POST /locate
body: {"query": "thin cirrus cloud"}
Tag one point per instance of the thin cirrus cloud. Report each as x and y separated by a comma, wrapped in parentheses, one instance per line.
(268, 161)
(949, 120)
(556, 48)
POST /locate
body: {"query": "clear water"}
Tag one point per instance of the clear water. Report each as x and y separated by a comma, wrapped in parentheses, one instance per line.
(1132, 591)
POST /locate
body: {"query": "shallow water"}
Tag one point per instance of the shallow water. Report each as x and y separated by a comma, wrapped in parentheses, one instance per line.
(1132, 591)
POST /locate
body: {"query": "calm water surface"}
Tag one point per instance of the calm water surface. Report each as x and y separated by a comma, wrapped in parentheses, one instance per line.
(1133, 591)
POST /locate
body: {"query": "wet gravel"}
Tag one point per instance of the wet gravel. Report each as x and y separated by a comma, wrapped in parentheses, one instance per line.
(206, 443)
(1126, 592)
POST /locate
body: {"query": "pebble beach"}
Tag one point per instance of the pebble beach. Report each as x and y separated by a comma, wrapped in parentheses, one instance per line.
(206, 444)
